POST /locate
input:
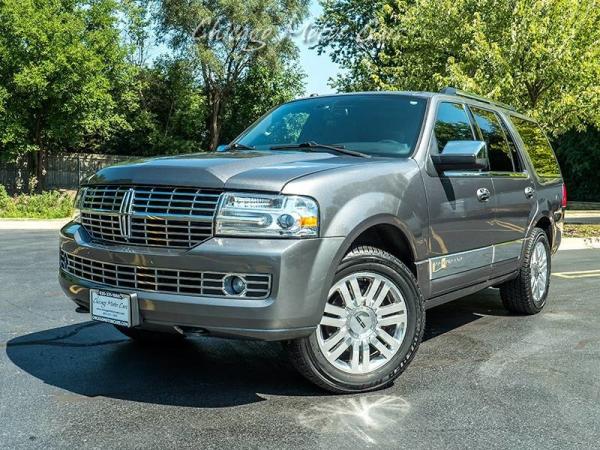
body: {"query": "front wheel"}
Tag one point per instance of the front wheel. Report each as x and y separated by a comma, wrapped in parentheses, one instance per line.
(371, 328)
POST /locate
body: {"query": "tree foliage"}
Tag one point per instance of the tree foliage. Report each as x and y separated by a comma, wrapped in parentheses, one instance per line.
(542, 57)
(64, 79)
(263, 88)
(172, 112)
(579, 157)
(226, 38)
(85, 75)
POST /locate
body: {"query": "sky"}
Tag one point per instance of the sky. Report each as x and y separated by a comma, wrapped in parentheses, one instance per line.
(318, 68)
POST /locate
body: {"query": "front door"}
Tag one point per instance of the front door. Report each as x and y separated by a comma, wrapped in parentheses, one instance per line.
(460, 211)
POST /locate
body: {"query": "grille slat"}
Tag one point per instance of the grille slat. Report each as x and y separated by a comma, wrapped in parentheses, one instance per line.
(159, 216)
(159, 280)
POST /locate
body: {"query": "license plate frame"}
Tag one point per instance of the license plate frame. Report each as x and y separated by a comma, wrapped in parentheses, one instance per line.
(116, 308)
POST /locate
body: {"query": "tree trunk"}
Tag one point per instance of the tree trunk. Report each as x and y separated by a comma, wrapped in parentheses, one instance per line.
(214, 126)
(40, 157)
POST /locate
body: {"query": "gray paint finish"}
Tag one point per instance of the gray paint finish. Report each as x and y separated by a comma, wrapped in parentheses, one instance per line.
(457, 242)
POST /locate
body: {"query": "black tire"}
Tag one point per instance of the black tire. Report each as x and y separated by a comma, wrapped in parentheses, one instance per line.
(517, 295)
(150, 337)
(307, 357)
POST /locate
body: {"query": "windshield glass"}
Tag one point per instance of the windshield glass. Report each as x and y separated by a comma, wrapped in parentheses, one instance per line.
(378, 125)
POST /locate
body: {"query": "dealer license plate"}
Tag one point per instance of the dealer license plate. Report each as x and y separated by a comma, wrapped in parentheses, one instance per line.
(111, 307)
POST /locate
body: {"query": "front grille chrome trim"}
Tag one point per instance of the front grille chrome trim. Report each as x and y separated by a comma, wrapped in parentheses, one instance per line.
(159, 216)
(162, 280)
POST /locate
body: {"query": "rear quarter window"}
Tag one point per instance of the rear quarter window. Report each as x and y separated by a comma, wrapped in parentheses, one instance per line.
(538, 148)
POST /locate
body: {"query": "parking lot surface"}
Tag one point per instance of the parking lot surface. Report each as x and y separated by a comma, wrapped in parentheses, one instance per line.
(482, 378)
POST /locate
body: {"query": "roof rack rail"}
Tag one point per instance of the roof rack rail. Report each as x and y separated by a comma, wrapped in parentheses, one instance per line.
(453, 91)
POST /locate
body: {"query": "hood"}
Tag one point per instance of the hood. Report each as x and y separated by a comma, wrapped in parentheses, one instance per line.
(247, 170)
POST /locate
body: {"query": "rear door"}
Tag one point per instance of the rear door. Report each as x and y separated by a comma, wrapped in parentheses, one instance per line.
(460, 234)
(513, 204)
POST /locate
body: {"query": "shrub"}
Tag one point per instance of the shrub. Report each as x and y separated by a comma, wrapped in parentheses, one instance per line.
(4, 198)
(47, 205)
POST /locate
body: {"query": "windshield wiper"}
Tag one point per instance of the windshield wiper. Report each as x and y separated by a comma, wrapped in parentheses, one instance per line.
(311, 145)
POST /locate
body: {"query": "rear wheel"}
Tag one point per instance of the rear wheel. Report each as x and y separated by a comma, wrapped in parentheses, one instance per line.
(148, 336)
(527, 294)
(371, 327)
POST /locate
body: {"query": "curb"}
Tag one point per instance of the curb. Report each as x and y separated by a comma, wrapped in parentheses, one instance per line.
(579, 244)
(579, 217)
(32, 224)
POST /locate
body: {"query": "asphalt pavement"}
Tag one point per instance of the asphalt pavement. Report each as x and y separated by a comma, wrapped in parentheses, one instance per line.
(482, 378)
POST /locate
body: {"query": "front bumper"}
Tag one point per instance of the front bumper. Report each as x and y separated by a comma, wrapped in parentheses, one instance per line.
(301, 273)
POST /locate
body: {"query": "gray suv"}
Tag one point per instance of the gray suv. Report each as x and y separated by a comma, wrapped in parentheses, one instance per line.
(331, 225)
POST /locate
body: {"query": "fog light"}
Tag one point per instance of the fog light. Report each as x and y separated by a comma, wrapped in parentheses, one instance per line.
(234, 285)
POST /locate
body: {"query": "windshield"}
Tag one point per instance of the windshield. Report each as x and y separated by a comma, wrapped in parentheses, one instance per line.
(378, 125)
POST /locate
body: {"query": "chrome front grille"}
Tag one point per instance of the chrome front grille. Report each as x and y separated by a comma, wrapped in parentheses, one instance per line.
(160, 280)
(149, 216)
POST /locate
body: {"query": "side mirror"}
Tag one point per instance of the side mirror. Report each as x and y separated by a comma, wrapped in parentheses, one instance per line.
(222, 147)
(462, 155)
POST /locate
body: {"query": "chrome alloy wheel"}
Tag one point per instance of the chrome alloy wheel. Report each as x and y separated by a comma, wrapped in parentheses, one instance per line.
(364, 323)
(539, 271)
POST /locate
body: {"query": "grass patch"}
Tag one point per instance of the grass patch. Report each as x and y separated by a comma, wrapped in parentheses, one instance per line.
(47, 205)
(581, 231)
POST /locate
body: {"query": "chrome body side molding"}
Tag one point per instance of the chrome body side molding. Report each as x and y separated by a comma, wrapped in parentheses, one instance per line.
(454, 263)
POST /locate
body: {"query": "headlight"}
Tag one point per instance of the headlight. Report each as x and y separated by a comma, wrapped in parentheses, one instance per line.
(77, 205)
(241, 214)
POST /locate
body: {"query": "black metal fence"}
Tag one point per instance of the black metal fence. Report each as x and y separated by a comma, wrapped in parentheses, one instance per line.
(63, 170)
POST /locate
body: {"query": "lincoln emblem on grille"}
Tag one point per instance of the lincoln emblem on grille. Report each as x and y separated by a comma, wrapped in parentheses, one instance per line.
(125, 213)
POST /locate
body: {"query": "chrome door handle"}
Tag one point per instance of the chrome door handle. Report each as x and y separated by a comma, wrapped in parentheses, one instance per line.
(529, 192)
(483, 194)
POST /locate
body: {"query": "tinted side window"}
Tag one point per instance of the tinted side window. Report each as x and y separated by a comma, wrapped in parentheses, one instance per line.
(498, 150)
(452, 124)
(537, 146)
(513, 148)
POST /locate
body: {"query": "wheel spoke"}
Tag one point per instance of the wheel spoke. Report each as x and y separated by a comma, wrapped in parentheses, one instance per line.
(370, 296)
(357, 294)
(345, 293)
(381, 296)
(390, 340)
(394, 308)
(335, 354)
(395, 319)
(336, 338)
(534, 287)
(333, 322)
(385, 352)
(335, 310)
(366, 356)
(355, 359)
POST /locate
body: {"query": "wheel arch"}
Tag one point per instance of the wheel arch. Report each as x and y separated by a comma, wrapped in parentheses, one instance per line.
(545, 224)
(379, 229)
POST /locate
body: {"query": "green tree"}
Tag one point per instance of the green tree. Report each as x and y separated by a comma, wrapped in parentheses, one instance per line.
(225, 38)
(65, 82)
(578, 153)
(542, 57)
(264, 87)
(172, 113)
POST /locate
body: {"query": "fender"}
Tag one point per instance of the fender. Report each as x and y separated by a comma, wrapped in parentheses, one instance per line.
(379, 219)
